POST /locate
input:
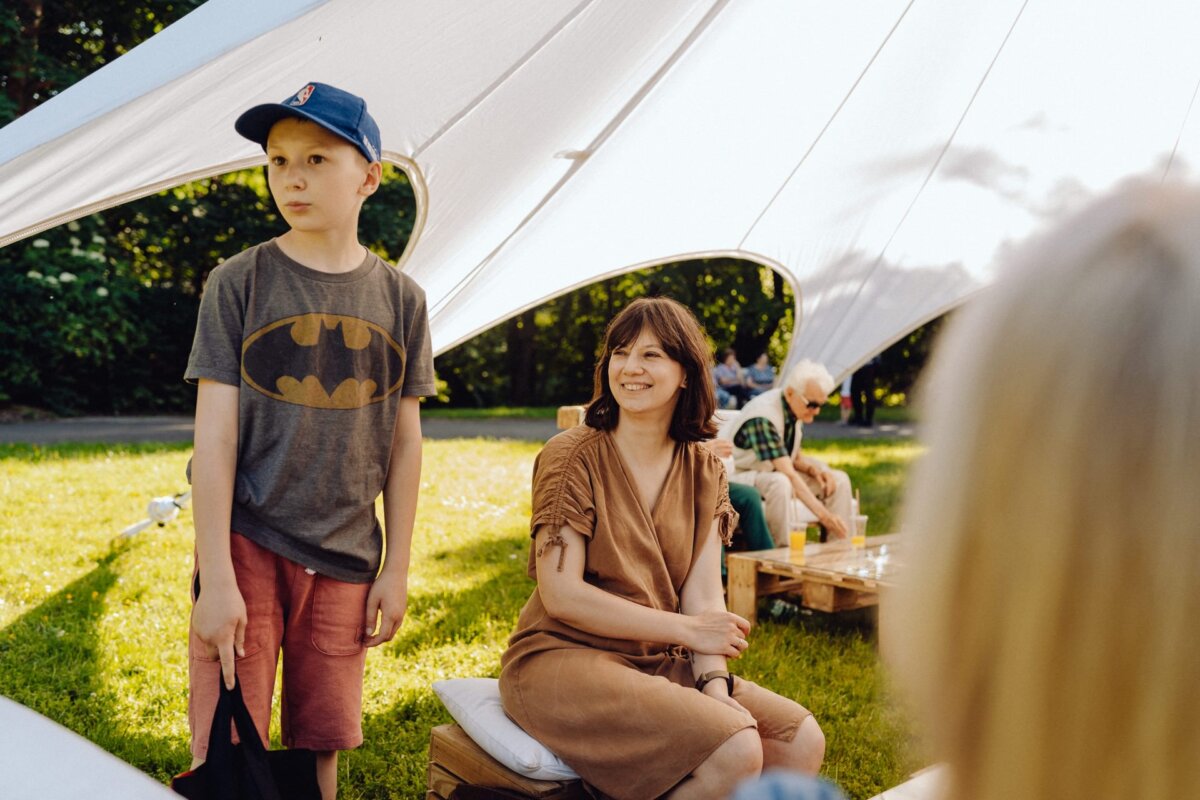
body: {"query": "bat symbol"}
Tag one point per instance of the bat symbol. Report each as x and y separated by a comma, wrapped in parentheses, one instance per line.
(323, 361)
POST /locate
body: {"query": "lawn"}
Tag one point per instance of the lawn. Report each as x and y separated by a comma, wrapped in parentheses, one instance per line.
(92, 630)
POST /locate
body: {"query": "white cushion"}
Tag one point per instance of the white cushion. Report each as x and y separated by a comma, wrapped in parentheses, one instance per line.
(475, 705)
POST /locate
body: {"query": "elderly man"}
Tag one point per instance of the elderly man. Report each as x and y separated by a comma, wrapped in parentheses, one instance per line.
(766, 437)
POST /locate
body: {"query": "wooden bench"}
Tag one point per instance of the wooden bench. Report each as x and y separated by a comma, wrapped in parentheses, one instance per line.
(569, 417)
(455, 759)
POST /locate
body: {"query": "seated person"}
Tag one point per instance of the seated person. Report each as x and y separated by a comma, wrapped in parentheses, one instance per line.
(767, 454)
(731, 389)
(760, 376)
(619, 660)
(752, 530)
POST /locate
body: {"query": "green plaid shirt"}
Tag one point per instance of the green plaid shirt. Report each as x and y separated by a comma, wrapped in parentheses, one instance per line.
(759, 435)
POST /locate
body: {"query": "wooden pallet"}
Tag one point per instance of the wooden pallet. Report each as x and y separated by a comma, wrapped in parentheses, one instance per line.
(455, 759)
(821, 580)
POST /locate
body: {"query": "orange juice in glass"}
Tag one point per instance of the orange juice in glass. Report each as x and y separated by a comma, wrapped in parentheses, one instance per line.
(797, 539)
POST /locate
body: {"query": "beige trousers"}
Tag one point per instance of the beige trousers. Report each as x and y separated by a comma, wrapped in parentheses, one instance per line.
(777, 495)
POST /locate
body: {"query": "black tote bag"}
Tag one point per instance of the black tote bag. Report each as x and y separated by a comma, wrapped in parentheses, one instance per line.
(247, 771)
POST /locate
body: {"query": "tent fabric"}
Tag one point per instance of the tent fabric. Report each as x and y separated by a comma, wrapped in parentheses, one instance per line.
(881, 155)
(41, 759)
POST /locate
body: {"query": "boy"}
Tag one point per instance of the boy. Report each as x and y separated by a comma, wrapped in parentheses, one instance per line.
(311, 355)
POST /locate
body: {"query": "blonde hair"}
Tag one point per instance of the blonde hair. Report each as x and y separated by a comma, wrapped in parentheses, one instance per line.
(1046, 625)
(806, 372)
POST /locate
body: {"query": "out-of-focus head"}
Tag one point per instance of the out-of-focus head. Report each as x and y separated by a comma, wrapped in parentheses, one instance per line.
(762, 361)
(1045, 625)
(683, 341)
(729, 356)
(807, 387)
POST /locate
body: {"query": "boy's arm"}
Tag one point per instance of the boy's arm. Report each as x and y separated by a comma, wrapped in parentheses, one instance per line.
(219, 616)
(388, 598)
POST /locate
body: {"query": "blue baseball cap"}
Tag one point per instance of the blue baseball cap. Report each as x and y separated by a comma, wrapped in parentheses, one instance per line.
(332, 108)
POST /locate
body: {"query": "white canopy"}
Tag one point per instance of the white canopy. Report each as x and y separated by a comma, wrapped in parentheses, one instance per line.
(880, 154)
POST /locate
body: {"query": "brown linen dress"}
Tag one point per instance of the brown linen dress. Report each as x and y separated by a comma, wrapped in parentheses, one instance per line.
(626, 715)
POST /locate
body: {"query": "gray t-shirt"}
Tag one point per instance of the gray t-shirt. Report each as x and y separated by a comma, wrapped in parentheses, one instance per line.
(321, 361)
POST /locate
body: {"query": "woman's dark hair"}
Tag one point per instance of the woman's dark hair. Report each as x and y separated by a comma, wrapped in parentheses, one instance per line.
(683, 341)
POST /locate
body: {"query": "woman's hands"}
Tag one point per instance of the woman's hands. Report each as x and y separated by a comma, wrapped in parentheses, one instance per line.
(716, 633)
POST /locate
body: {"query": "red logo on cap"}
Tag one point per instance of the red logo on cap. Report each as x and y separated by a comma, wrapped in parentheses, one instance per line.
(303, 95)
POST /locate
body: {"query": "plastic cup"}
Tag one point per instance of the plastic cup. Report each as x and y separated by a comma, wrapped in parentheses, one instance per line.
(797, 539)
(858, 538)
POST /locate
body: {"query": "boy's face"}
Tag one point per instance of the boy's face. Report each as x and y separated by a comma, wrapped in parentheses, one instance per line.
(318, 179)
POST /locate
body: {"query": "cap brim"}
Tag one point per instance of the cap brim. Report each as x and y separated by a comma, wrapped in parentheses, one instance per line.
(255, 124)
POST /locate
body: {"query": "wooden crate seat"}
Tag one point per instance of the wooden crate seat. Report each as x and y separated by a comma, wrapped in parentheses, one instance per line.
(455, 759)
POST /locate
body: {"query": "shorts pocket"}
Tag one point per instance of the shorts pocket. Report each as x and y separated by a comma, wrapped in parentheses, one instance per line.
(255, 570)
(337, 616)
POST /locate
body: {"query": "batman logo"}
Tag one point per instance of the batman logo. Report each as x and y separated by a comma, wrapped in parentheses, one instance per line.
(323, 361)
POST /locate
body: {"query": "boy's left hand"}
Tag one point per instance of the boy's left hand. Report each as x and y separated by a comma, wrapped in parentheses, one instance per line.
(386, 603)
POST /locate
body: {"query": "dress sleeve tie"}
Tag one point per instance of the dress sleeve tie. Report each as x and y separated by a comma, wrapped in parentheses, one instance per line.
(555, 540)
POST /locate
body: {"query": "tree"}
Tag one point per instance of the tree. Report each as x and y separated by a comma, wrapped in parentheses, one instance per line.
(47, 46)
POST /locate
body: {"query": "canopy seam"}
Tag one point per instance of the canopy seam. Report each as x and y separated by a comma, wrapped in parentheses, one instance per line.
(821, 133)
(1179, 137)
(502, 79)
(577, 164)
(930, 173)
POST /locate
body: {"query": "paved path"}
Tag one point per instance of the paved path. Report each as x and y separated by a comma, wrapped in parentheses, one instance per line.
(179, 429)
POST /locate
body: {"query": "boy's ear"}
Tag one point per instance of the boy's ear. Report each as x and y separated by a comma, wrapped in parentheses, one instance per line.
(371, 180)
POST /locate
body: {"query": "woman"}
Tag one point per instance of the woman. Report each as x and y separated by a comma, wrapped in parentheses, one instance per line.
(731, 389)
(1046, 626)
(760, 376)
(618, 662)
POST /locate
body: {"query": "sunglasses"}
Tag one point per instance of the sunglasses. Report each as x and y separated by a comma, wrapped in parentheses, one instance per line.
(812, 405)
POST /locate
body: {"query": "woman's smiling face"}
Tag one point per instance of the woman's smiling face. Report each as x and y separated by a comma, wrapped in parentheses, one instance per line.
(642, 377)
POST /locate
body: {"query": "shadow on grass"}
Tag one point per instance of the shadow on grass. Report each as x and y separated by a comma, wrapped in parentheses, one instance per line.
(476, 612)
(50, 662)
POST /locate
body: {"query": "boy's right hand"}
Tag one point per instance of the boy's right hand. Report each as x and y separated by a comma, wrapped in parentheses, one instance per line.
(219, 620)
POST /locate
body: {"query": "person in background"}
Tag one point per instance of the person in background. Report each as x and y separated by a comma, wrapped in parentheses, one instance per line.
(845, 405)
(747, 502)
(730, 383)
(862, 393)
(760, 376)
(1044, 630)
(767, 437)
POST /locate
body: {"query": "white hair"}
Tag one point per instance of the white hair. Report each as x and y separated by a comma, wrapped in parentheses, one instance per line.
(1045, 627)
(807, 372)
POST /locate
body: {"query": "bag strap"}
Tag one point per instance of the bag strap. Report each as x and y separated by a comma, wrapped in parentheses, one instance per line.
(231, 707)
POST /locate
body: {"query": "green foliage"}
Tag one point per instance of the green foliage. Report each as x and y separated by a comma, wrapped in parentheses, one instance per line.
(93, 633)
(739, 304)
(47, 46)
(76, 333)
(901, 364)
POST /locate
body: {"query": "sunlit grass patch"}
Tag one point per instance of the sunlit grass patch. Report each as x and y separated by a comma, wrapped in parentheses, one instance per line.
(93, 631)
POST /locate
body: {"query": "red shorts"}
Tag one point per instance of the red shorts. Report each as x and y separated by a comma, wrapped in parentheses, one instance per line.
(318, 623)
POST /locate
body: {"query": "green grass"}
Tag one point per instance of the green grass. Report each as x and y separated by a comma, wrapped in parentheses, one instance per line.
(93, 632)
(498, 412)
(899, 414)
